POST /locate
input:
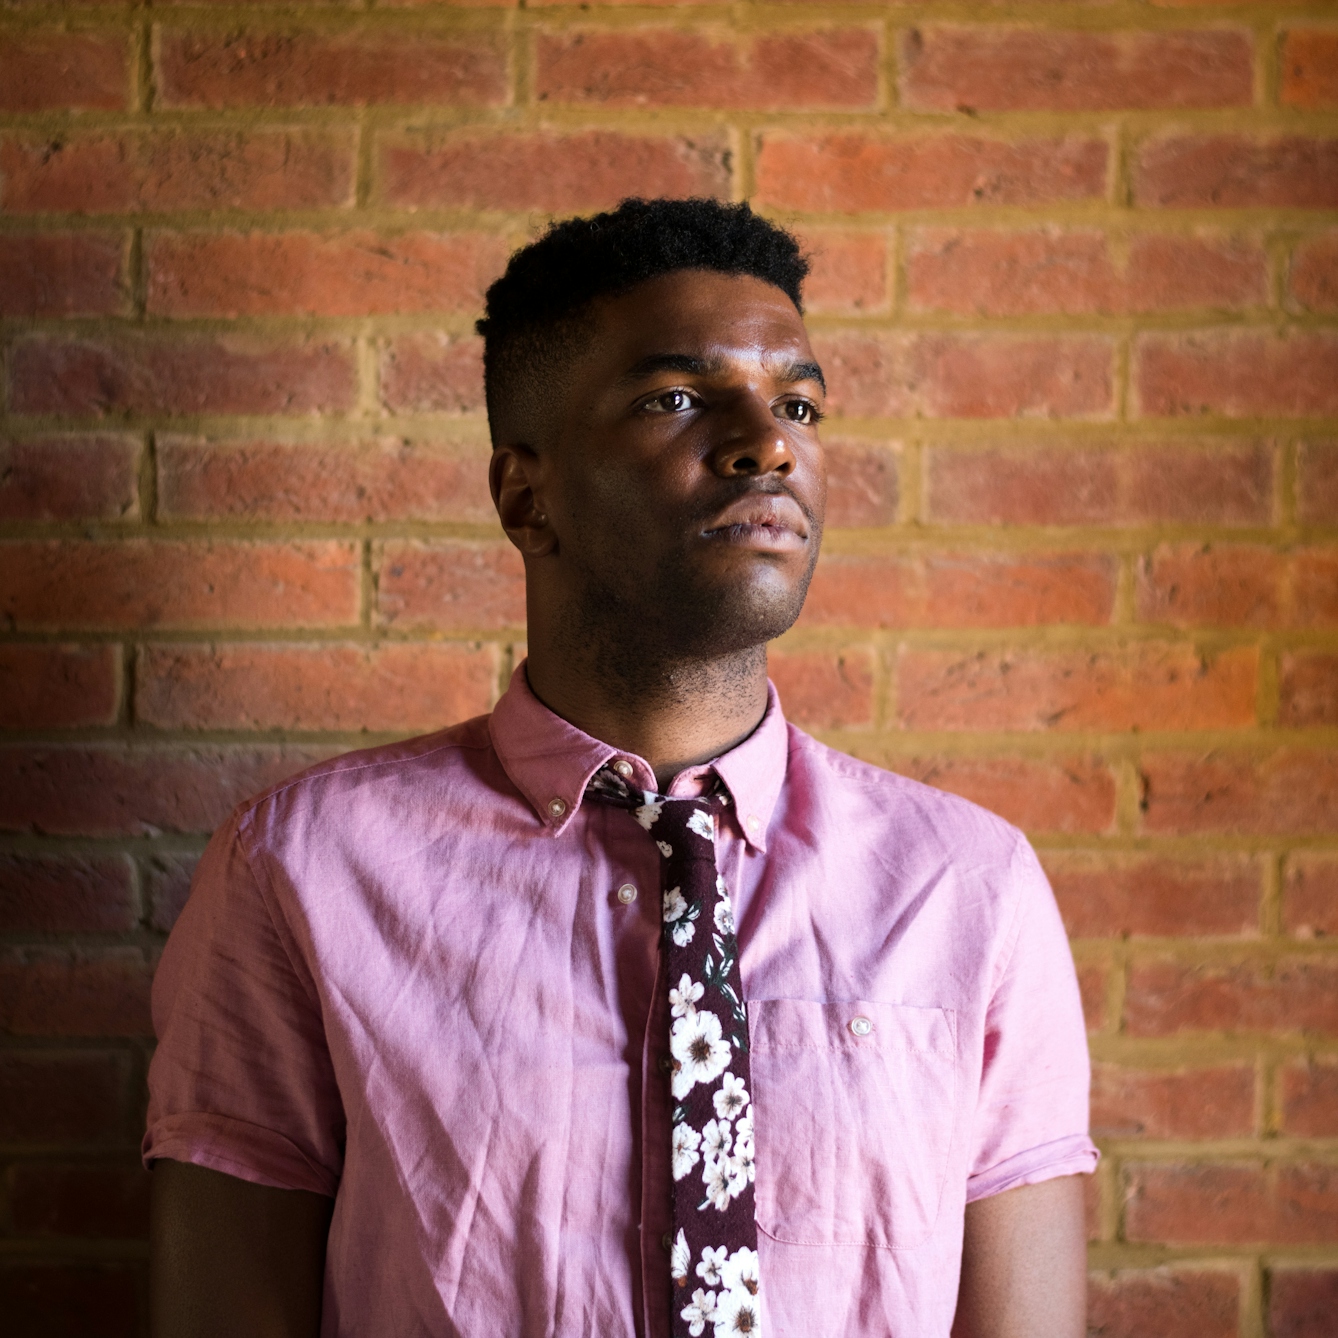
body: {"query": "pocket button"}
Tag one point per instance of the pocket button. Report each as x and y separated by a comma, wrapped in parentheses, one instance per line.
(861, 1026)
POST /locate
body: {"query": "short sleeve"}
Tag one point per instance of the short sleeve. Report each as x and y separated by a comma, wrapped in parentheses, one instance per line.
(1031, 1119)
(242, 1080)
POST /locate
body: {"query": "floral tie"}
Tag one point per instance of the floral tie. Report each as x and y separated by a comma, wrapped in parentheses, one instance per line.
(713, 1259)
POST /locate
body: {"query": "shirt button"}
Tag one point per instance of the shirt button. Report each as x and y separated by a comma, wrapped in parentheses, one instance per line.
(557, 807)
(624, 768)
(753, 822)
(667, 1242)
(861, 1026)
(627, 894)
(666, 1063)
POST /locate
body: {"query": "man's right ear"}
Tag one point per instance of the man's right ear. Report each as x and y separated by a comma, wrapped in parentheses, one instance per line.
(514, 476)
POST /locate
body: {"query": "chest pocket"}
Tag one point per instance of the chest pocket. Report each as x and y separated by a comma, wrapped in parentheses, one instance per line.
(855, 1106)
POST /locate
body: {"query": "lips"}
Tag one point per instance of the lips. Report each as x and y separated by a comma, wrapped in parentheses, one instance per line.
(772, 522)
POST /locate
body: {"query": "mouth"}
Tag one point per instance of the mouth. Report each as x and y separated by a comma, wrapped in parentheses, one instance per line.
(764, 522)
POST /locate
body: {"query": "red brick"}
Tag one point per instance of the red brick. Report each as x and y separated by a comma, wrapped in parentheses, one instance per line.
(356, 67)
(1229, 171)
(1293, 994)
(1103, 895)
(966, 375)
(112, 790)
(824, 690)
(1238, 373)
(432, 373)
(130, 171)
(849, 171)
(79, 1199)
(1302, 1302)
(1308, 1089)
(982, 272)
(961, 590)
(1317, 481)
(546, 170)
(62, 274)
(1094, 988)
(848, 271)
(395, 686)
(1308, 689)
(982, 68)
(166, 880)
(181, 374)
(1163, 1303)
(1173, 1103)
(70, 477)
(63, 1096)
(66, 894)
(1310, 895)
(831, 69)
(46, 69)
(385, 478)
(1232, 1203)
(174, 583)
(72, 1300)
(362, 273)
(53, 687)
(53, 992)
(1150, 685)
(862, 482)
(1313, 281)
(1288, 791)
(452, 585)
(1206, 483)
(1309, 64)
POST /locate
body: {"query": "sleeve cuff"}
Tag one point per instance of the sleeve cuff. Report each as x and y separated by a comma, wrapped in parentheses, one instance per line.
(1075, 1155)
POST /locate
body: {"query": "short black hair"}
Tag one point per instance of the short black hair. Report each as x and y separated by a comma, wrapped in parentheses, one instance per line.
(535, 308)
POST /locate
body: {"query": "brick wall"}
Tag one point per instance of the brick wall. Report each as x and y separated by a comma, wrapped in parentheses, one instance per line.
(1077, 294)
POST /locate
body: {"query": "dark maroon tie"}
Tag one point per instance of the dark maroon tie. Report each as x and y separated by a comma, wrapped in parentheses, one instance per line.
(713, 1259)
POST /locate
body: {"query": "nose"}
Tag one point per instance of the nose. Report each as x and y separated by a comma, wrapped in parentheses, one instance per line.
(754, 444)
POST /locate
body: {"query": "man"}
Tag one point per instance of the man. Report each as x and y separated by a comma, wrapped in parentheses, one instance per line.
(630, 1008)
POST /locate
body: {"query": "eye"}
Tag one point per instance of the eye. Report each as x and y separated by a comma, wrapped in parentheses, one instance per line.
(670, 401)
(804, 412)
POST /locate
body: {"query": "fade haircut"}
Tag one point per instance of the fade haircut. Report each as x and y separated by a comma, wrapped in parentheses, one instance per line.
(537, 311)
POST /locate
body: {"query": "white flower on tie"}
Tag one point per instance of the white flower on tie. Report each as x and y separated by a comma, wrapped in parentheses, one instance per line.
(702, 823)
(683, 1000)
(674, 904)
(700, 1311)
(682, 933)
(737, 1312)
(679, 1257)
(665, 848)
(713, 1260)
(732, 1096)
(724, 909)
(715, 1141)
(699, 1045)
(744, 1128)
(686, 1140)
(740, 1271)
(742, 1167)
(715, 1178)
(649, 812)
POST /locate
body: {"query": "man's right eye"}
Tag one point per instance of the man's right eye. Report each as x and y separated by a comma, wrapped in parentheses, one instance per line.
(671, 401)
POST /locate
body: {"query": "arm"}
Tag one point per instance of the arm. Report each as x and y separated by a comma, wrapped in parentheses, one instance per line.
(1024, 1264)
(230, 1257)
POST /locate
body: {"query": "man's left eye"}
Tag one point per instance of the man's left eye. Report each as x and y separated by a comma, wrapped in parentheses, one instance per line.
(672, 401)
(802, 411)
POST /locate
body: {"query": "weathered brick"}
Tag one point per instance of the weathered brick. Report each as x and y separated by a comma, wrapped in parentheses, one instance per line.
(1317, 481)
(1310, 895)
(56, 992)
(66, 893)
(1101, 895)
(46, 69)
(166, 879)
(1237, 373)
(1282, 792)
(1198, 482)
(1163, 1303)
(558, 172)
(966, 375)
(99, 1199)
(849, 271)
(114, 790)
(824, 690)
(181, 374)
(432, 373)
(1181, 1103)
(355, 67)
(54, 687)
(1229, 171)
(68, 476)
(72, 1300)
(982, 272)
(984, 68)
(1308, 689)
(384, 478)
(1309, 65)
(850, 171)
(1094, 990)
(830, 69)
(396, 686)
(62, 274)
(1313, 279)
(1232, 1203)
(1150, 685)
(361, 273)
(451, 585)
(961, 590)
(133, 171)
(1302, 1302)
(862, 482)
(1292, 994)
(1308, 1092)
(63, 1096)
(175, 583)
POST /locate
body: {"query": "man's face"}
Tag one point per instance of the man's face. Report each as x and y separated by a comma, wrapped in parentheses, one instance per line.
(685, 484)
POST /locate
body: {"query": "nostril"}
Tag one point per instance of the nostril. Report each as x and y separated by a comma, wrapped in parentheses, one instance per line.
(745, 464)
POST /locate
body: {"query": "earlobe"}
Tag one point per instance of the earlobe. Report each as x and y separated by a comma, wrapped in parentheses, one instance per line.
(514, 477)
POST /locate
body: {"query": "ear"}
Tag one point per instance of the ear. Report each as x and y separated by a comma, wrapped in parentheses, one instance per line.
(515, 478)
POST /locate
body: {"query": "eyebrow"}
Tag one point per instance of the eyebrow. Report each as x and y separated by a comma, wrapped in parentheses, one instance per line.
(693, 366)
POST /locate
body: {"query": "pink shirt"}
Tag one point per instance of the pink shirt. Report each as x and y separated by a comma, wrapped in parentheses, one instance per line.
(407, 978)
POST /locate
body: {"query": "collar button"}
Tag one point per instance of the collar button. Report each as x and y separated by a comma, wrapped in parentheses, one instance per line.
(557, 807)
(624, 768)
